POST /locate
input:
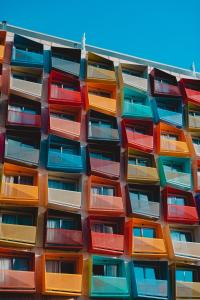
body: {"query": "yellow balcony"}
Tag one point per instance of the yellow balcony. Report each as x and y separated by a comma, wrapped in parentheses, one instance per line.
(186, 250)
(170, 147)
(187, 290)
(154, 246)
(58, 198)
(142, 174)
(2, 50)
(95, 73)
(102, 104)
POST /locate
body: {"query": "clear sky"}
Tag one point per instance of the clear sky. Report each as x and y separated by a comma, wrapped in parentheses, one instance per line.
(166, 31)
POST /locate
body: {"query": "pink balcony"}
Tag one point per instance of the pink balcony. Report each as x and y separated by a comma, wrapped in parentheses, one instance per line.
(17, 281)
(107, 242)
(182, 213)
(65, 128)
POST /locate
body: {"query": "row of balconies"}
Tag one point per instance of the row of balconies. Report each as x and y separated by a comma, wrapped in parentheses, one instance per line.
(62, 275)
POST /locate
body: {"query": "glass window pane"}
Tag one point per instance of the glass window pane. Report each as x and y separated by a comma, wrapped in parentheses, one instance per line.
(68, 224)
(137, 231)
(139, 273)
(20, 264)
(148, 232)
(68, 267)
(25, 220)
(111, 270)
(150, 273)
(53, 223)
(9, 219)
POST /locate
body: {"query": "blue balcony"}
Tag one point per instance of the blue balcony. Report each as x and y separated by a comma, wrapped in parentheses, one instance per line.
(64, 155)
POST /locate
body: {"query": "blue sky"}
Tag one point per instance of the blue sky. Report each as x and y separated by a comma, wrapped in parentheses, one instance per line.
(166, 31)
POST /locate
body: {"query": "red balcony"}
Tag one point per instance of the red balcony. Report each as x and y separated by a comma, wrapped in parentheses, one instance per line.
(106, 235)
(179, 206)
(21, 118)
(138, 134)
(64, 89)
(191, 90)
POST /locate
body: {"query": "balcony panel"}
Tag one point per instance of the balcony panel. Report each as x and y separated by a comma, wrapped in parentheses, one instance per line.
(64, 237)
(63, 198)
(193, 95)
(95, 73)
(188, 290)
(64, 162)
(17, 281)
(186, 249)
(96, 132)
(110, 204)
(186, 213)
(135, 81)
(170, 116)
(19, 193)
(151, 209)
(176, 147)
(2, 50)
(66, 65)
(102, 104)
(109, 286)
(65, 128)
(137, 111)
(70, 284)
(21, 57)
(141, 173)
(22, 118)
(62, 96)
(107, 241)
(178, 179)
(139, 140)
(16, 151)
(194, 122)
(24, 87)
(142, 245)
(17, 233)
(165, 89)
(152, 288)
(106, 167)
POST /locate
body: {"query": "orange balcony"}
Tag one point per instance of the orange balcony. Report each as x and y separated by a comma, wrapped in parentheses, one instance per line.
(19, 193)
(171, 141)
(105, 197)
(146, 239)
(2, 44)
(191, 90)
(62, 274)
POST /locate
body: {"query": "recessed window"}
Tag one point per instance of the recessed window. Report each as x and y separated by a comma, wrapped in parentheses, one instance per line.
(176, 200)
(140, 196)
(100, 123)
(101, 93)
(22, 109)
(61, 223)
(144, 232)
(132, 99)
(184, 275)
(181, 236)
(64, 149)
(62, 116)
(66, 267)
(105, 228)
(173, 167)
(18, 219)
(111, 270)
(65, 86)
(102, 155)
(170, 136)
(62, 185)
(19, 179)
(140, 161)
(103, 190)
(145, 272)
(26, 77)
(18, 264)
(167, 105)
(194, 113)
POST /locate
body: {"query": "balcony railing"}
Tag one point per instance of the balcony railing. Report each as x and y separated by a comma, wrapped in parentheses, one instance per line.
(64, 237)
(136, 110)
(67, 284)
(150, 209)
(166, 89)
(2, 50)
(179, 213)
(96, 132)
(189, 250)
(135, 81)
(65, 128)
(64, 162)
(194, 122)
(22, 118)
(178, 179)
(107, 242)
(170, 116)
(21, 57)
(109, 286)
(64, 198)
(152, 288)
(61, 96)
(95, 73)
(143, 174)
(24, 87)
(17, 281)
(188, 290)
(102, 104)
(193, 95)
(108, 204)
(19, 234)
(154, 246)
(106, 167)
(177, 147)
(67, 66)
(143, 141)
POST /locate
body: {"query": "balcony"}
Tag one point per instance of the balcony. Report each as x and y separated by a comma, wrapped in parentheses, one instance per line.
(191, 90)
(27, 53)
(164, 84)
(175, 172)
(2, 44)
(24, 119)
(64, 90)
(143, 201)
(135, 105)
(187, 290)
(103, 286)
(106, 243)
(100, 69)
(64, 155)
(66, 60)
(193, 117)
(134, 76)
(105, 204)
(171, 141)
(144, 245)
(196, 174)
(62, 284)
(63, 238)
(148, 288)
(138, 134)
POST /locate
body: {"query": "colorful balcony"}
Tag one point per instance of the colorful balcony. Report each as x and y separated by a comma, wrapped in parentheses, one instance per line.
(138, 134)
(141, 167)
(23, 112)
(64, 89)
(18, 272)
(2, 45)
(179, 206)
(164, 84)
(105, 197)
(19, 186)
(101, 97)
(26, 82)
(64, 155)
(64, 192)
(134, 76)
(62, 274)
(106, 235)
(108, 278)
(146, 239)
(63, 230)
(66, 60)
(102, 127)
(64, 122)
(175, 172)
(18, 226)
(150, 280)
(183, 242)
(135, 105)
(104, 162)
(193, 117)
(27, 53)
(191, 90)
(171, 141)
(143, 201)
(196, 174)
(100, 69)
(22, 147)
(193, 139)
(168, 110)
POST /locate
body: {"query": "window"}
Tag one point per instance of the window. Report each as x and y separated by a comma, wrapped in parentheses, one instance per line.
(105, 228)
(173, 167)
(140, 161)
(194, 113)
(144, 232)
(111, 270)
(28, 49)
(17, 264)
(101, 93)
(181, 236)
(100, 123)
(165, 80)
(61, 223)
(99, 65)
(167, 105)
(64, 57)
(132, 99)
(139, 196)
(64, 149)
(132, 72)
(19, 179)
(65, 86)
(144, 272)
(101, 155)
(140, 130)
(22, 109)
(196, 140)
(66, 267)
(26, 77)
(169, 136)
(62, 185)
(184, 275)
(19, 219)
(62, 116)
(176, 200)
(103, 190)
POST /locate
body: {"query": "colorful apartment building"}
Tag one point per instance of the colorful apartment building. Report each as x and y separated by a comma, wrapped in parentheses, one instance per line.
(100, 173)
